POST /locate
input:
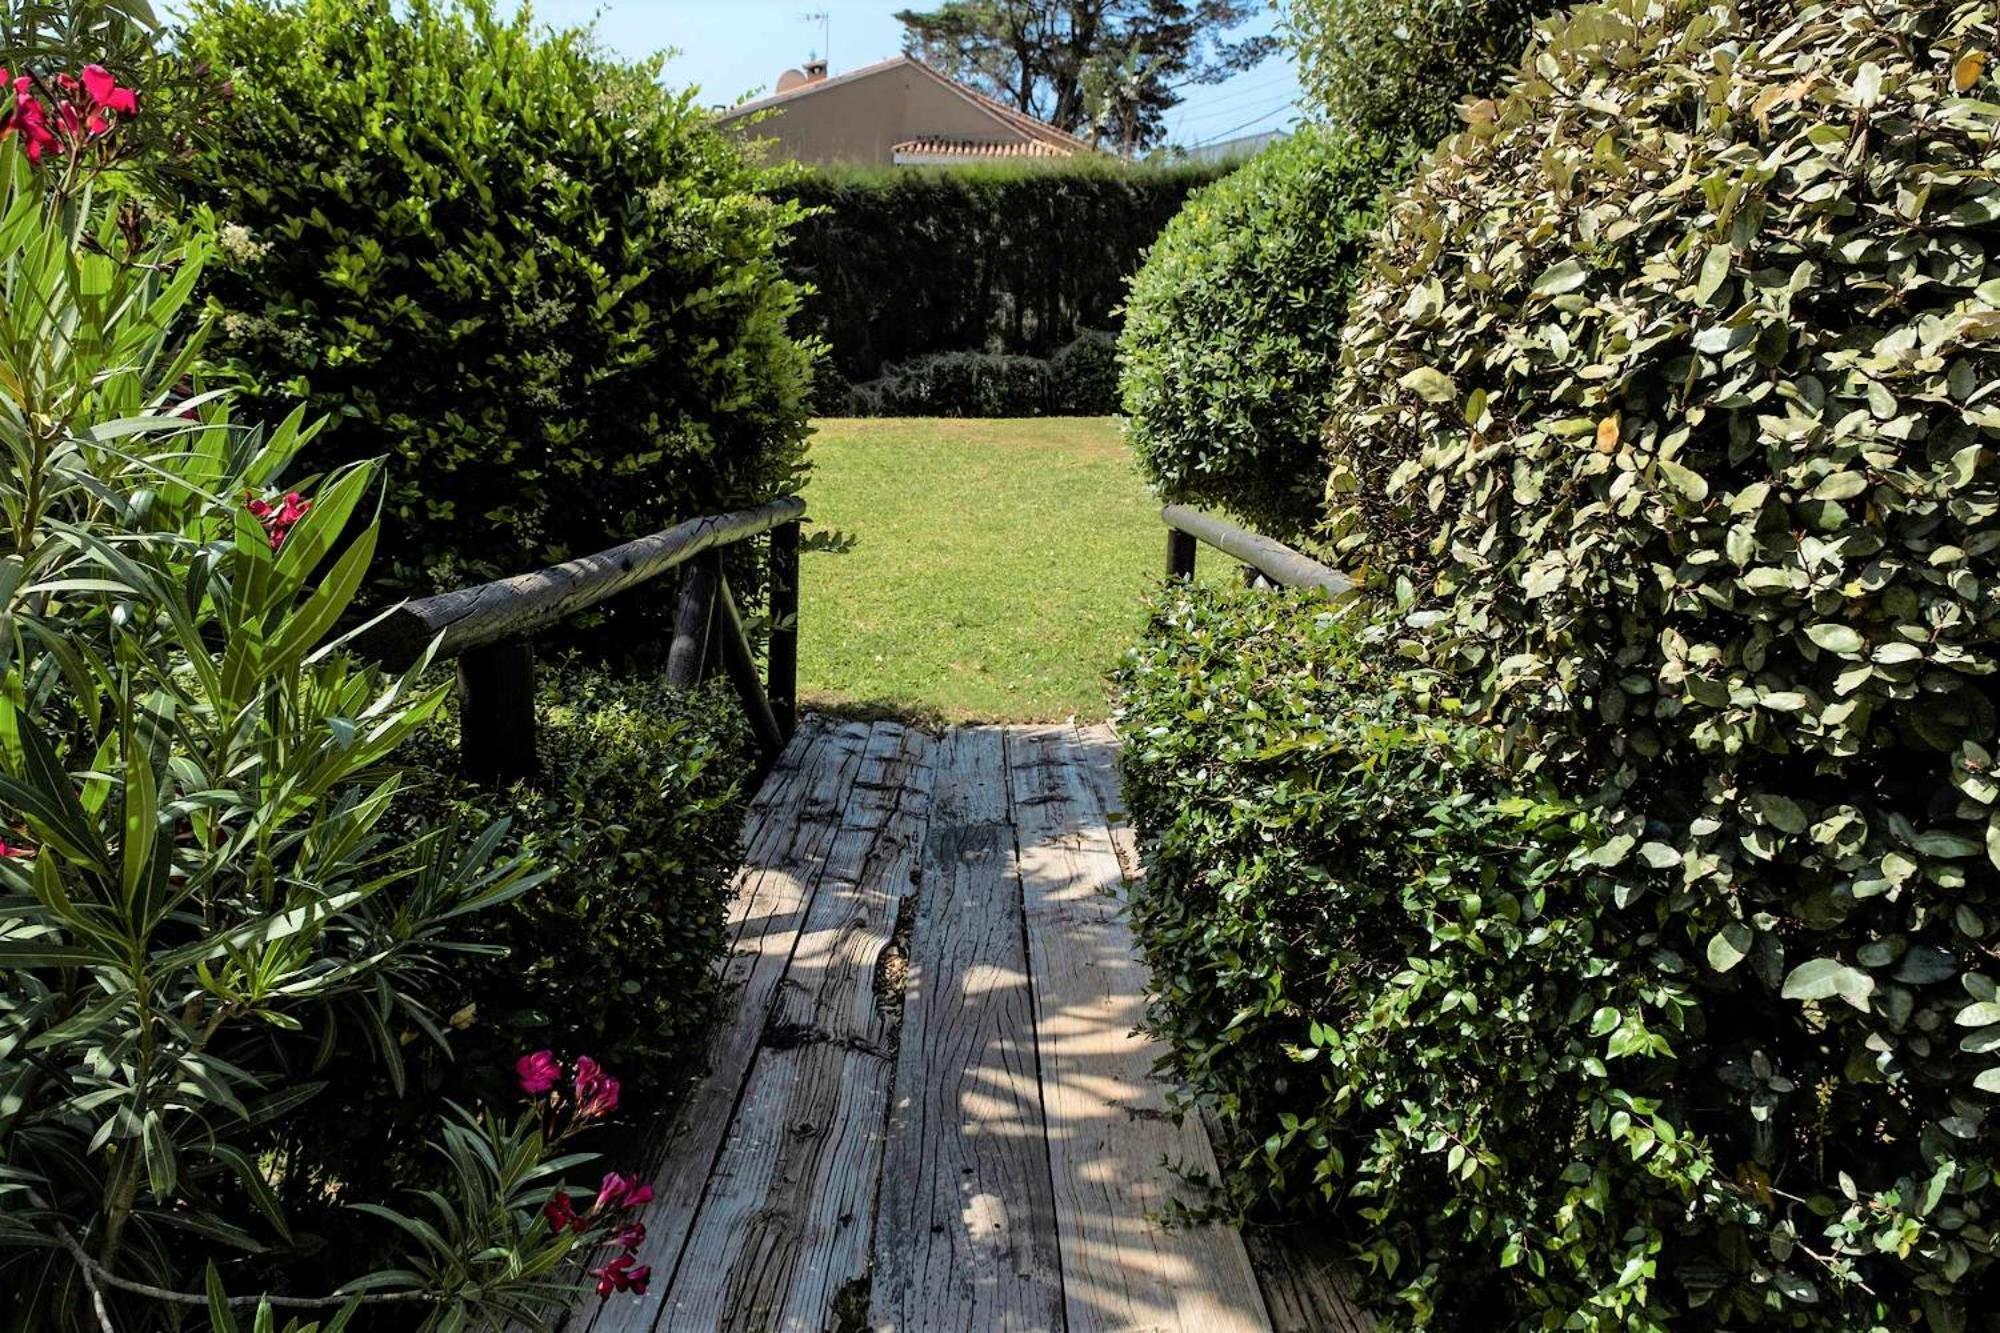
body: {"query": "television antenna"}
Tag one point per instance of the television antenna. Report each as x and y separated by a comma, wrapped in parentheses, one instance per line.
(825, 20)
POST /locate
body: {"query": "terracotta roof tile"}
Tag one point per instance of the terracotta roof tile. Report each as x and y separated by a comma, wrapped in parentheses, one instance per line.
(934, 147)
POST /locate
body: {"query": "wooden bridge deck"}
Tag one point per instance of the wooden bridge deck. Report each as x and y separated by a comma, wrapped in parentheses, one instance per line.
(930, 1112)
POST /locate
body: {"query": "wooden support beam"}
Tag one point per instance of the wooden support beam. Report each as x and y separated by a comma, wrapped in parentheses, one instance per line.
(741, 664)
(1273, 559)
(1180, 554)
(697, 608)
(496, 712)
(516, 607)
(784, 647)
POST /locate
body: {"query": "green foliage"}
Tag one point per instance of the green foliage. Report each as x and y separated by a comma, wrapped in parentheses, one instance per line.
(192, 784)
(634, 818)
(547, 289)
(1232, 329)
(1668, 415)
(1079, 380)
(1015, 260)
(1400, 69)
(1414, 996)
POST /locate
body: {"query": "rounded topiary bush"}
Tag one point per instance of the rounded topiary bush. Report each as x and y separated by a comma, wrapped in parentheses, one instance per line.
(1232, 329)
(547, 288)
(1668, 412)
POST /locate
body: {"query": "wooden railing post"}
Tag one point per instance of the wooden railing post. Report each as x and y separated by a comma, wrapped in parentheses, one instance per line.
(697, 609)
(1180, 554)
(784, 649)
(741, 664)
(496, 712)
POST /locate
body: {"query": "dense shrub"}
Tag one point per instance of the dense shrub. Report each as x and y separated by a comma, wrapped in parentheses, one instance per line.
(1400, 69)
(1011, 260)
(548, 290)
(1412, 994)
(1668, 414)
(194, 868)
(1083, 376)
(1079, 380)
(1232, 329)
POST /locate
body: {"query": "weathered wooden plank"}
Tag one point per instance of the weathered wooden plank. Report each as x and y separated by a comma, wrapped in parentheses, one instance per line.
(694, 621)
(513, 607)
(966, 1240)
(1306, 1282)
(783, 1227)
(1275, 560)
(793, 823)
(1108, 1130)
(783, 654)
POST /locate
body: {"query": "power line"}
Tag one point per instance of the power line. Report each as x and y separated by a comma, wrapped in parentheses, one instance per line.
(1285, 105)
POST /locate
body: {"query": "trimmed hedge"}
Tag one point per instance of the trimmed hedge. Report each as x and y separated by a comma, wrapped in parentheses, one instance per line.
(547, 288)
(1079, 380)
(1232, 331)
(1416, 998)
(1667, 424)
(1018, 261)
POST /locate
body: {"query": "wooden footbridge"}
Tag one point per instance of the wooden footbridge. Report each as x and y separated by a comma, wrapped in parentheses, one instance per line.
(929, 1109)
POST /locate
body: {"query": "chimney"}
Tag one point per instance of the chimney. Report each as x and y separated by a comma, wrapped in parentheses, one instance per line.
(815, 70)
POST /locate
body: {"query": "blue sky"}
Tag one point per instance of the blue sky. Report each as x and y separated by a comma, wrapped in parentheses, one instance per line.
(734, 47)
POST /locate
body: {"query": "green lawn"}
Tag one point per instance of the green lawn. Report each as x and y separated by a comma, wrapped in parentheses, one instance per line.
(996, 573)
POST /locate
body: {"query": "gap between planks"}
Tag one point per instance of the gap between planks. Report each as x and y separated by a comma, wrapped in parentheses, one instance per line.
(1025, 1139)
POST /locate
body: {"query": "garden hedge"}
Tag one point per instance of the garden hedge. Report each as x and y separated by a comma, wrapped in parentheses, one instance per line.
(546, 288)
(1019, 261)
(1665, 438)
(1232, 329)
(1081, 379)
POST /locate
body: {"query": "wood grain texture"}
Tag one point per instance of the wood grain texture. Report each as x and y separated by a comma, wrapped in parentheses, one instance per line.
(1306, 1282)
(1110, 1139)
(792, 825)
(784, 1225)
(966, 1241)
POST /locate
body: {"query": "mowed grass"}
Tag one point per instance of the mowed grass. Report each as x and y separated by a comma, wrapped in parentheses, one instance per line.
(997, 572)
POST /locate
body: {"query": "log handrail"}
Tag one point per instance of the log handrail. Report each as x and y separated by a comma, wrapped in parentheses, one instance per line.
(517, 606)
(1273, 559)
(489, 627)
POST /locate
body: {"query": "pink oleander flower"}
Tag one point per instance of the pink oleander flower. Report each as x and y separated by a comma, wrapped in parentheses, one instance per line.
(278, 519)
(621, 1192)
(537, 1072)
(11, 850)
(105, 92)
(562, 1213)
(596, 1091)
(630, 1236)
(622, 1274)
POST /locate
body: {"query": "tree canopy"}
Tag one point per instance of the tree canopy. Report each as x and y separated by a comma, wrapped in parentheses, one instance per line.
(1105, 69)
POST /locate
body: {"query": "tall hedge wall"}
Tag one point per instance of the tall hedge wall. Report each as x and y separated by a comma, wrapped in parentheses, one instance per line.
(1019, 260)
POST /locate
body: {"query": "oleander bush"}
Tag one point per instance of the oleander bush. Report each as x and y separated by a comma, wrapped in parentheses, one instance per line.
(1232, 329)
(1665, 437)
(1400, 70)
(634, 817)
(546, 288)
(194, 778)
